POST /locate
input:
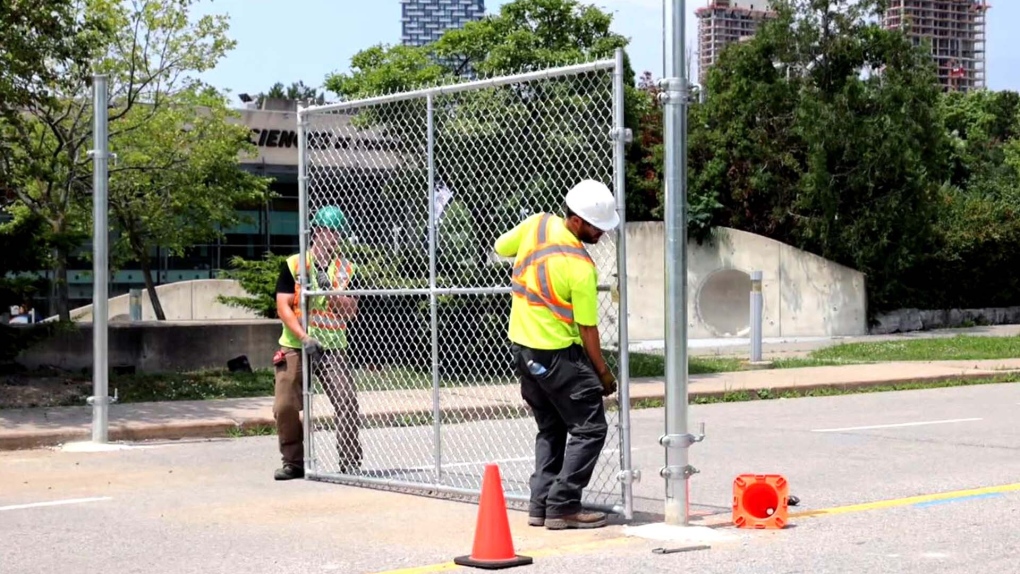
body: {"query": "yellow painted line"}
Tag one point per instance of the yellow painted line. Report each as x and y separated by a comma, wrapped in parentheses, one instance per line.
(621, 541)
(539, 553)
(896, 502)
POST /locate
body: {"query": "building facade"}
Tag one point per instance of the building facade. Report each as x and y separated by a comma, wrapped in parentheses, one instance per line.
(723, 22)
(424, 21)
(956, 31)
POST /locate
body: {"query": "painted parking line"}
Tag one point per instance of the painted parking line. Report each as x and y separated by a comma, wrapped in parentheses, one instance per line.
(899, 425)
(54, 503)
(540, 553)
(921, 501)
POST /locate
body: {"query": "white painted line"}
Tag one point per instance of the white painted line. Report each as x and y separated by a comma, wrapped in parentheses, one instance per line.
(55, 503)
(898, 425)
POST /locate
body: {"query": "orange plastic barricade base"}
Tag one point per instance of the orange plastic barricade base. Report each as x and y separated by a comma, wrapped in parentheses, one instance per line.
(760, 501)
(494, 546)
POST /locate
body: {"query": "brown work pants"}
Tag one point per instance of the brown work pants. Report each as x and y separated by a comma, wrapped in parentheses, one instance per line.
(333, 373)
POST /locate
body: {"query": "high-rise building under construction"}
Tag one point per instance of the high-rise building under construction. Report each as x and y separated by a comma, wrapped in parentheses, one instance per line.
(722, 22)
(956, 31)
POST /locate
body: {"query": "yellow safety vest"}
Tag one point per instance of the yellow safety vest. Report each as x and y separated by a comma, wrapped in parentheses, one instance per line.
(531, 282)
(329, 328)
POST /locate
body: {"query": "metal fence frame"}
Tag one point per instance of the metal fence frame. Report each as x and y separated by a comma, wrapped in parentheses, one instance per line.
(619, 135)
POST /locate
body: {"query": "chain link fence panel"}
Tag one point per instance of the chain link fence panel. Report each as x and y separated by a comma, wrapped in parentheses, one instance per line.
(421, 394)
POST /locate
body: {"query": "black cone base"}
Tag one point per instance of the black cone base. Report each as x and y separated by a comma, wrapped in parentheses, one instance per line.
(492, 564)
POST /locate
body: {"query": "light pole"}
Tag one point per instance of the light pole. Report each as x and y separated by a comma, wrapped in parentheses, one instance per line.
(676, 440)
(100, 399)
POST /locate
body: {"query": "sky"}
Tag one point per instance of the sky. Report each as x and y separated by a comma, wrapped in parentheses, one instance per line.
(307, 40)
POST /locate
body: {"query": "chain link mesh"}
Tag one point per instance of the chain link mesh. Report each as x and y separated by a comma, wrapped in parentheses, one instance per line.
(424, 394)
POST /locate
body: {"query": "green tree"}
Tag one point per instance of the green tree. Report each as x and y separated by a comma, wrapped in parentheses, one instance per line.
(25, 243)
(38, 39)
(178, 182)
(295, 91)
(978, 222)
(150, 59)
(258, 279)
(824, 132)
(502, 151)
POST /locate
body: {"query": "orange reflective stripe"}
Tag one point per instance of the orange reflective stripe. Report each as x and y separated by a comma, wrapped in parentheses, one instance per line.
(319, 318)
(537, 258)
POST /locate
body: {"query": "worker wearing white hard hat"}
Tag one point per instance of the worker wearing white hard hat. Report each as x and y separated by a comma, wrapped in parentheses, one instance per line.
(557, 350)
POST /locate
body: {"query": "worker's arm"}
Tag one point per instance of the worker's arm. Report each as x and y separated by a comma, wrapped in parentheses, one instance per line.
(584, 296)
(284, 295)
(593, 347)
(508, 243)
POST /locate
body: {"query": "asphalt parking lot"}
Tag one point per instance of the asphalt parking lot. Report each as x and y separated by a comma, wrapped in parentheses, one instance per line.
(855, 461)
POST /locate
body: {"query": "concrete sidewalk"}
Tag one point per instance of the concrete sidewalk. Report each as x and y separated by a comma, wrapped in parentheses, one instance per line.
(38, 427)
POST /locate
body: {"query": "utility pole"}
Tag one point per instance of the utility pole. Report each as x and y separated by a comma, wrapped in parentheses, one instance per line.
(677, 440)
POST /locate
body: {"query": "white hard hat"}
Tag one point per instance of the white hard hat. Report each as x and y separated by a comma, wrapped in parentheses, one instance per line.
(593, 202)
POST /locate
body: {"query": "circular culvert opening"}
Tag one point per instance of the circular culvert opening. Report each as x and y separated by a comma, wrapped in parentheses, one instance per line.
(723, 302)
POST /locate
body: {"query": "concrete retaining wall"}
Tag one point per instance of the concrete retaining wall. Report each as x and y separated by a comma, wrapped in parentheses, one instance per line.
(157, 346)
(803, 295)
(181, 301)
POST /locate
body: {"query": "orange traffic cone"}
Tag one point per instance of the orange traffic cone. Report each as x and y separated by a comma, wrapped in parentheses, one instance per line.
(760, 501)
(494, 547)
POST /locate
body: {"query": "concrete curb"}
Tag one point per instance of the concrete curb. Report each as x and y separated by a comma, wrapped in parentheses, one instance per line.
(221, 427)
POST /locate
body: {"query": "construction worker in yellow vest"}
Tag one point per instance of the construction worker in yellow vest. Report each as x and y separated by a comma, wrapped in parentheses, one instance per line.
(325, 342)
(557, 352)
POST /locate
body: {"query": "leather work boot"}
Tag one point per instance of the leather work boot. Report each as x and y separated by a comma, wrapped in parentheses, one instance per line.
(288, 472)
(536, 521)
(583, 519)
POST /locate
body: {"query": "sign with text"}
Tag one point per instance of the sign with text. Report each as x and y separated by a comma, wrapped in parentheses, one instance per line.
(274, 133)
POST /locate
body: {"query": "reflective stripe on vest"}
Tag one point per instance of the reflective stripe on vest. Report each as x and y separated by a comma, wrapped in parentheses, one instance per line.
(322, 318)
(538, 258)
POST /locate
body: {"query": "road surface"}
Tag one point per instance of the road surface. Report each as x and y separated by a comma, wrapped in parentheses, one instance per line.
(212, 506)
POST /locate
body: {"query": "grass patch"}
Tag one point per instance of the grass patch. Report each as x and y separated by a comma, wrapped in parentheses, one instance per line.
(959, 347)
(48, 388)
(192, 386)
(772, 394)
(956, 348)
(643, 365)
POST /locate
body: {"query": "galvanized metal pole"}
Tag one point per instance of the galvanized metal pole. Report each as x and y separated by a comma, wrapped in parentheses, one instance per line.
(100, 398)
(622, 136)
(135, 304)
(756, 316)
(676, 439)
(437, 434)
(306, 370)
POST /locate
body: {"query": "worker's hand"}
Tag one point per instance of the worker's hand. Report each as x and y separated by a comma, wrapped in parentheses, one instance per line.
(608, 383)
(312, 347)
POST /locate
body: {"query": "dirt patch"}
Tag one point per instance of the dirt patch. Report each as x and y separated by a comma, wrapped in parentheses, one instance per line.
(26, 391)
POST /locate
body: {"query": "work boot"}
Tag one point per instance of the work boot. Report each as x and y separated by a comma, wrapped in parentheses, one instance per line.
(536, 520)
(289, 471)
(583, 519)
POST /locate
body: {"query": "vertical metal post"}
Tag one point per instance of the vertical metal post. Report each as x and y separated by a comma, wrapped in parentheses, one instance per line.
(619, 182)
(433, 299)
(100, 262)
(756, 316)
(676, 439)
(306, 382)
(665, 28)
(135, 304)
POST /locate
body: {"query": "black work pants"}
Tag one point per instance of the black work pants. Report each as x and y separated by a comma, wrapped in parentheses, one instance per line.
(565, 399)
